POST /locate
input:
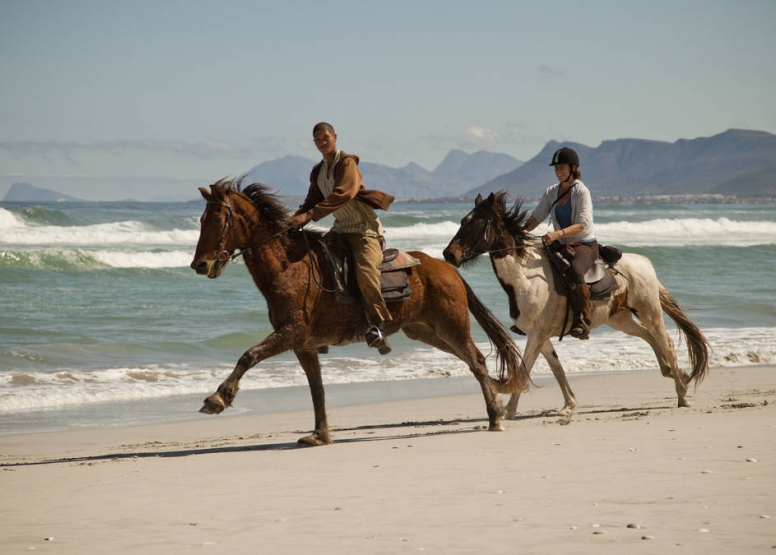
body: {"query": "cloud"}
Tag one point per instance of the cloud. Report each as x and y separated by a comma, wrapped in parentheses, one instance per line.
(546, 72)
(70, 150)
(475, 137)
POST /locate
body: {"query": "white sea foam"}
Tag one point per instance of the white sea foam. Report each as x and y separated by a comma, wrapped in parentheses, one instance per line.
(144, 259)
(688, 232)
(118, 233)
(8, 221)
(430, 237)
(607, 351)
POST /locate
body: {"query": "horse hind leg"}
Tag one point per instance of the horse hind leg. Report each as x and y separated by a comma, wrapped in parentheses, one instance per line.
(464, 348)
(654, 333)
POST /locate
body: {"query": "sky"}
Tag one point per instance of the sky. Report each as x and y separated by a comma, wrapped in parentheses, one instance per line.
(189, 91)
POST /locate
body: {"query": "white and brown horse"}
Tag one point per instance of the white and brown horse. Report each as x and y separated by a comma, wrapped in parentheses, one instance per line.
(539, 308)
(289, 269)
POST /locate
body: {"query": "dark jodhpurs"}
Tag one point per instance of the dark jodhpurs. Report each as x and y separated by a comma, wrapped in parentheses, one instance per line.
(586, 254)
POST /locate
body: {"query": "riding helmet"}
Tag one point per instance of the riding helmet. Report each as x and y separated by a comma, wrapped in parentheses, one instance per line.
(565, 155)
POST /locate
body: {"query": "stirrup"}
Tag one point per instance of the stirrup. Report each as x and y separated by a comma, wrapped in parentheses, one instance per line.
(580, 330)
(376, 339)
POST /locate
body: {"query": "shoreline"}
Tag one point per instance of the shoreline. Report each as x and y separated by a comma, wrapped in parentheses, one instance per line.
(629, 473)
(255, 402)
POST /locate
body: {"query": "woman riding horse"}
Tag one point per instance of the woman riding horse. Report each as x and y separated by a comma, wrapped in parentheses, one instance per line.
(571, 207)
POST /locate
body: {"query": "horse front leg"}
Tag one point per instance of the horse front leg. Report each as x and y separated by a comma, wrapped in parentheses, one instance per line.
(551, 356)
(222, 399)
(312, 369)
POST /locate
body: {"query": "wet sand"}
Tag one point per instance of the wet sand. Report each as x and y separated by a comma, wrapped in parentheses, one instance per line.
(629, 473)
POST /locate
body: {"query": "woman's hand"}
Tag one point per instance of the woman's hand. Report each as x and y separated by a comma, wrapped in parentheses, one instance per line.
(552, 236)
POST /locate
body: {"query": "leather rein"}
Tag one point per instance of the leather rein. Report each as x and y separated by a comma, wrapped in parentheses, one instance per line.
(223, 256)
(468, 253)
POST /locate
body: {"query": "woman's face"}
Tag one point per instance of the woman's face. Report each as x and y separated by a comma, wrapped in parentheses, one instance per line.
(562, 172)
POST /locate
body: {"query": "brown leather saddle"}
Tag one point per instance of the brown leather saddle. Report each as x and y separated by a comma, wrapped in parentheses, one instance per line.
(394, 273)
(599, 278)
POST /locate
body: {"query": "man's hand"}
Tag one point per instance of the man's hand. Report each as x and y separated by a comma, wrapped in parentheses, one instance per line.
(300, 219)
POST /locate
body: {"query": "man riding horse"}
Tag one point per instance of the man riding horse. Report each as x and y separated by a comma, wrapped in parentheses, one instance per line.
(335, 183)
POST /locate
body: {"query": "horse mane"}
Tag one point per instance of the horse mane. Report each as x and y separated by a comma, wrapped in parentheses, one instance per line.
(268, 203)
(515, 219)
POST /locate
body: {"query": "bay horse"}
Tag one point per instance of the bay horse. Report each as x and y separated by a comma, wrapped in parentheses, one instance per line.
(539, 310)
(289, 269)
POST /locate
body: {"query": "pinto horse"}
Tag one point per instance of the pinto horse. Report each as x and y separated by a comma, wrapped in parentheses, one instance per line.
(539, 309)
(289, 269)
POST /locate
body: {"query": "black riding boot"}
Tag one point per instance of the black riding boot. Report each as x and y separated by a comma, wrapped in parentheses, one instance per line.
(579, 297)
(376, 338)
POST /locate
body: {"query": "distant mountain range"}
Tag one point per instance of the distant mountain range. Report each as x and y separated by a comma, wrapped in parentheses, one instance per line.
(24, 192)
(454, 175)
(737, 162)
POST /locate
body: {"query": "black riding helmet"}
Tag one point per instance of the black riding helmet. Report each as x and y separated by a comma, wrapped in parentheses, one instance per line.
(565, 155)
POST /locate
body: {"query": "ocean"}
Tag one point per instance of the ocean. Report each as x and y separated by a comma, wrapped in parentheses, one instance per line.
(104, 323)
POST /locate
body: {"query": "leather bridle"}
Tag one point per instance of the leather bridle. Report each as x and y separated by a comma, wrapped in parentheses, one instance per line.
(222, 255)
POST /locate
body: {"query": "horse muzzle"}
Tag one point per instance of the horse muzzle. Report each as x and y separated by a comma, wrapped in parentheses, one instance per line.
(208, 267)
(453, 255)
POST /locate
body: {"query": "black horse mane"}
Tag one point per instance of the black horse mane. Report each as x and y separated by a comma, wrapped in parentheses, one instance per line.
(515, 219)
(265, 199)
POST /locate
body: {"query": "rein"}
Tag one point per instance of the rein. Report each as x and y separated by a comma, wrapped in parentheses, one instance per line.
(223, 256)
(469, 253)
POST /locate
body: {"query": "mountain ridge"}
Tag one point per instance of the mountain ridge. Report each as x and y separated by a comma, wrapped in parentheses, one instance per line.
(736, 162)
(732, 162)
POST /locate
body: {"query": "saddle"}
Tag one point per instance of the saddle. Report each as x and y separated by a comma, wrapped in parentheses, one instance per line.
(599, 278)
(394, 272)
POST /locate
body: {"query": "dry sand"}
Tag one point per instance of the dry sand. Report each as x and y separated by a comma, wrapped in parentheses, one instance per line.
(629, 474)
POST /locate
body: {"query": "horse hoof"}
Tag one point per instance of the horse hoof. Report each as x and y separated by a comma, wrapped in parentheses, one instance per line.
(313, 440)
(684, 404)
(496, 427)
(213, 405)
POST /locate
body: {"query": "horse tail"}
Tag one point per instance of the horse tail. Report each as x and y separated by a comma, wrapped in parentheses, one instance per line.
(697, 345)
(508, 357)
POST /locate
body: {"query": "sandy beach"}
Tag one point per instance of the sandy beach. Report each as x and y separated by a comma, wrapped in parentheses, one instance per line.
(630, 473)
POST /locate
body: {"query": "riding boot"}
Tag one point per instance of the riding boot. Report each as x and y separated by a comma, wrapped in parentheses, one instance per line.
(376, 338)
(579, 296)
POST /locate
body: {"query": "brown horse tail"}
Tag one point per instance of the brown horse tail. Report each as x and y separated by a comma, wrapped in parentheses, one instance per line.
(508, 357)
(697, 345)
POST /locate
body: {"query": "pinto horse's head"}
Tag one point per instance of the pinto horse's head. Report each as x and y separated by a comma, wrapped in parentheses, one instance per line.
(217, 230)
(475, 235)
(489, 226)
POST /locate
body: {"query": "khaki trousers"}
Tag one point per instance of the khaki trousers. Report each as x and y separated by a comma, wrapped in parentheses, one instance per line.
(367, 256)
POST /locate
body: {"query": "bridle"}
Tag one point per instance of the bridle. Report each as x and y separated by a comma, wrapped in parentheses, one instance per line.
(468, 253)
(222, 255)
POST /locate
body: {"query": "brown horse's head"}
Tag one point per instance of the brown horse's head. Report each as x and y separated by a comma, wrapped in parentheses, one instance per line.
(217, 230)
(489, 226)
(236, 221)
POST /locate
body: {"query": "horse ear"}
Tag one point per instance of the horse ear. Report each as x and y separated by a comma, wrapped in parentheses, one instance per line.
(491, 198)
(205, 193)
(478, 200)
